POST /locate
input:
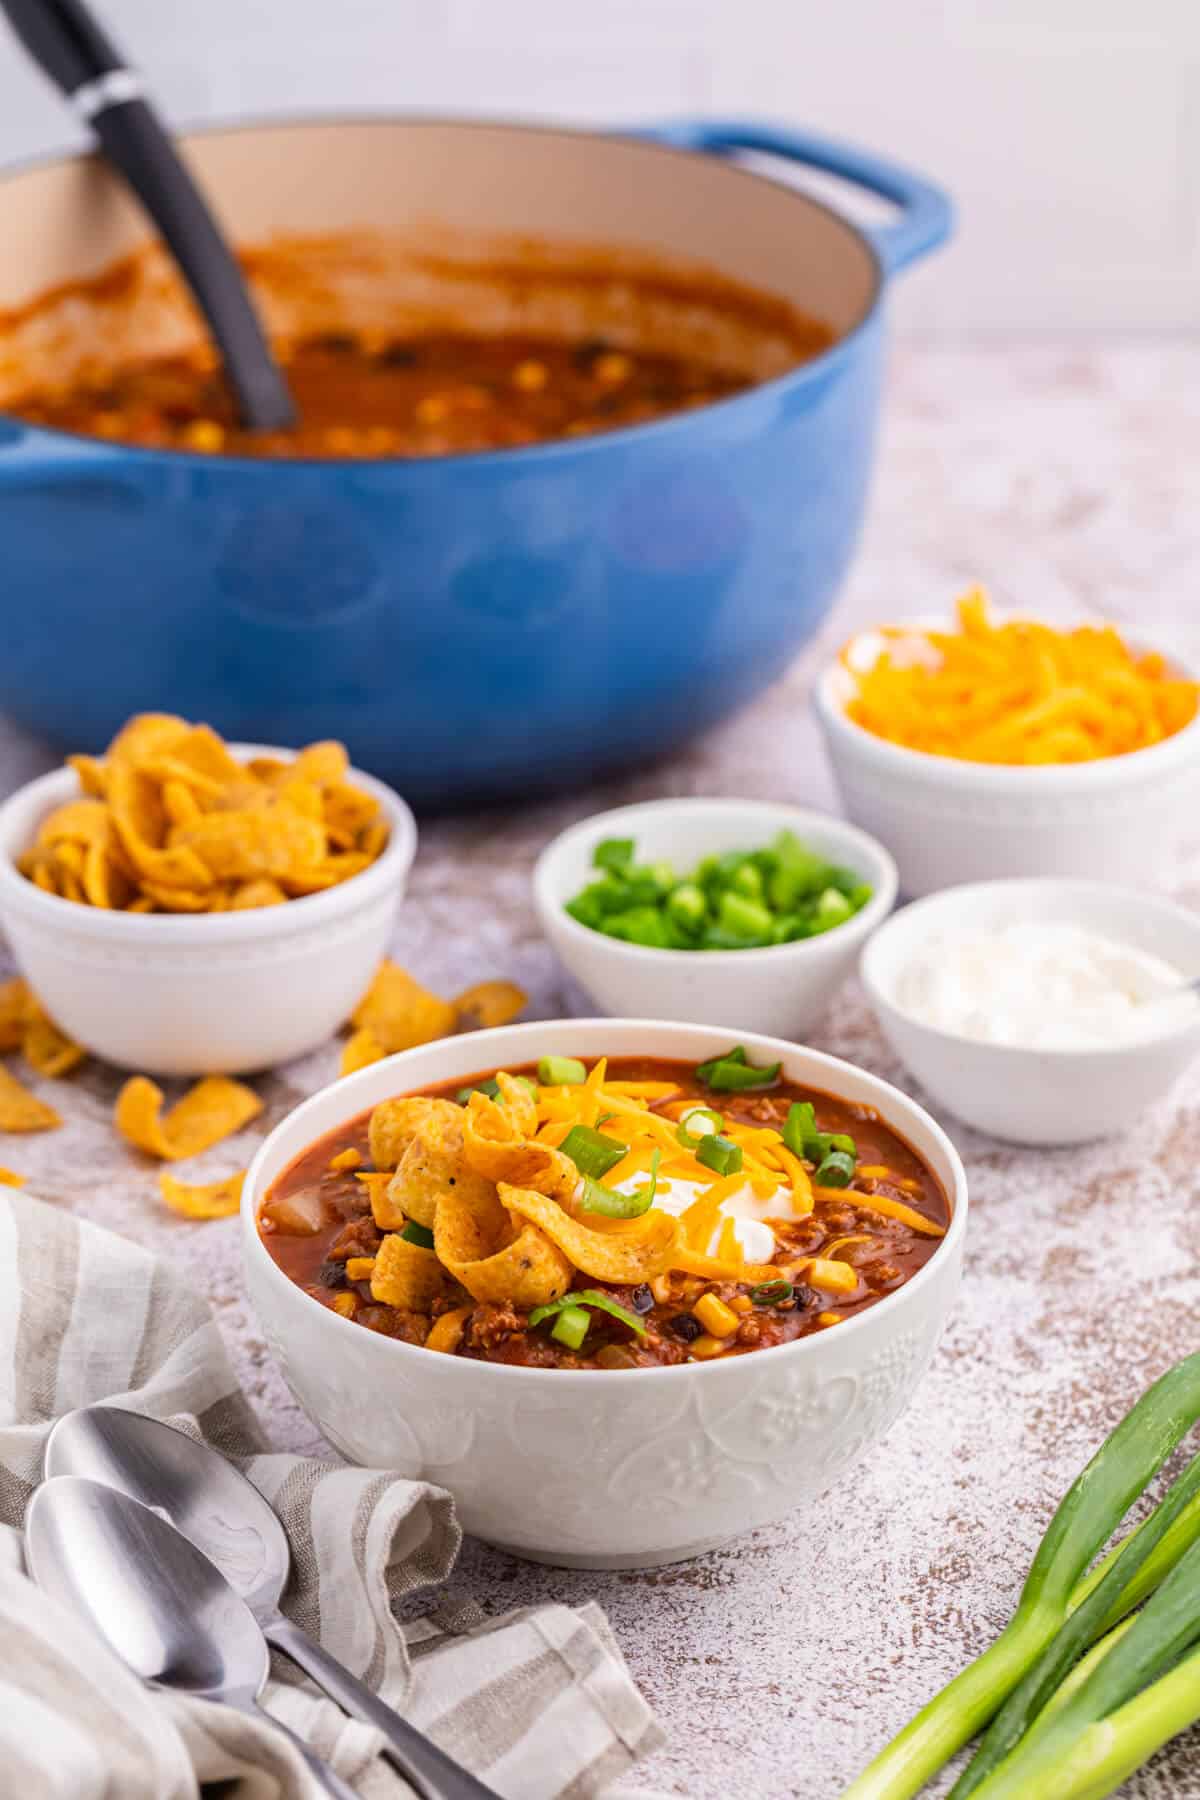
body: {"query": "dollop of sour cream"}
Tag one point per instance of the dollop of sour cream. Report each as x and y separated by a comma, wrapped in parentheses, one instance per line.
(746, 1209)
(1042, 987)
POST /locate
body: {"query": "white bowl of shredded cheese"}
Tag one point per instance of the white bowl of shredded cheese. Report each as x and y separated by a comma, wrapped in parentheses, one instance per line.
(946, 820)
(1044, 1012)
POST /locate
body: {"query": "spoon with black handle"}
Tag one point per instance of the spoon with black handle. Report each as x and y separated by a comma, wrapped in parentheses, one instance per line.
(224, 1515)
(70, 47)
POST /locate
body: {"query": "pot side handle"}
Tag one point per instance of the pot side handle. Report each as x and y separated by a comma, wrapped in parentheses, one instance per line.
(926, 211)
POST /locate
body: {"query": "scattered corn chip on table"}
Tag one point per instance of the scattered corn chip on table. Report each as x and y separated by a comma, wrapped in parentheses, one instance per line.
(778, 1664)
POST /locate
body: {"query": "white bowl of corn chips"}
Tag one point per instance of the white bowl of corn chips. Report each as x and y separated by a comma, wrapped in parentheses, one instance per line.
(243, 936)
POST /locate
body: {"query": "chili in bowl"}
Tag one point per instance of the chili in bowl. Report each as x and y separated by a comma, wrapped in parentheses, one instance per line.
(744, 1252)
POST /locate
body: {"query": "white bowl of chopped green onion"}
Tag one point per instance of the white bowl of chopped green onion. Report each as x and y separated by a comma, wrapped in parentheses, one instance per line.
(713, 912)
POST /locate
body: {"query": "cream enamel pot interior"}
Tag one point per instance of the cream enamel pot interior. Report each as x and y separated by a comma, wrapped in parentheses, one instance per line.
(468, 625)
(606, 1468)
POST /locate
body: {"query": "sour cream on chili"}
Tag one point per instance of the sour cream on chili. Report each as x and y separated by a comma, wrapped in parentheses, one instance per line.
(745, 1208)
(1044, 987)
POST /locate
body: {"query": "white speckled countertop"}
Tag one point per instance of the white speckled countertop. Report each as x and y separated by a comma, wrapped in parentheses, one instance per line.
(1062, 476)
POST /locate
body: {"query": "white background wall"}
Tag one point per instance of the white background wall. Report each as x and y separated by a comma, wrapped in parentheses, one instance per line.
(1069, 130)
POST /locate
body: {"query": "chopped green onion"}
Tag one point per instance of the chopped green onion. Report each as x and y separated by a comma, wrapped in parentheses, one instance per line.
(591, 1152)
(833, 1153)
(687, 907)
(744, 918)
(643, 925)
(561, 1071)
(800, 1134)
(614, 1205)
(705, 1072)
(739, 900)
(833, 908)
(712, 1121)
(571, 1326)
(588, 1297)
(771, 1293)
(417, 1234)
(799, 874)
(747, 881)
(732, 1073)
(835, 1170)
(613, 853)
(721, 1154)
(490, 1087)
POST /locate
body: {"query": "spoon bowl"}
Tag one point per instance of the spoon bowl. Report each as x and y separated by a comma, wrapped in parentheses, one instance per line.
(225, 1517)
(178, 1622)
(202, 1494)
(155, 1599)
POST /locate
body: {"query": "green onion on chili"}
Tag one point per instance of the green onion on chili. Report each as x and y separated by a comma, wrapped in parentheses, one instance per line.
(736, 1055)
(417, 1234)
(835, 1170)
(571, 1326)
(491, 1088)
(588, 1297)
(832, 1152)
(592, 1153)
(561, 1071)
(615, 1205)
(721, 1154)
(800, 1134)
(771, 1293)
(732, 1073)
(688, 1139)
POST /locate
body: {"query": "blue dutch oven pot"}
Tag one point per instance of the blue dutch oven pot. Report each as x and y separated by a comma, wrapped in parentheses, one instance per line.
(472, 626)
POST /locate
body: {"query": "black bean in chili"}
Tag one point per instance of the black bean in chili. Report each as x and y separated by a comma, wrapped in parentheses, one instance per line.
(687, 1326)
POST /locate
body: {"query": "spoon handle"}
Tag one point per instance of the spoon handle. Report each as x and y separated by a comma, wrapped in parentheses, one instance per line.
(69, 45)
(434, 1774)
(329, 1780)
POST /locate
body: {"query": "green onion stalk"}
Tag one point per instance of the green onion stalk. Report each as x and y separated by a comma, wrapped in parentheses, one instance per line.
(1125, 1708)
(1086, 1518)
(1083, 1625)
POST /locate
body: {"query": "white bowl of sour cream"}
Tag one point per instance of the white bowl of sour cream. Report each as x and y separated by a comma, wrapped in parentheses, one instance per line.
(1043, 1012)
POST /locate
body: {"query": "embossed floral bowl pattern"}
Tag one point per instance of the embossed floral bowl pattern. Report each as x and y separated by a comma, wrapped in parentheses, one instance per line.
(607, 1468)
(200, 993)
(947, 822)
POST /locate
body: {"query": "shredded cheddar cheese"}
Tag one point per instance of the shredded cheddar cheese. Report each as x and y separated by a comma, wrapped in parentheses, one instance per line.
(701, 1241)
(1017, 693)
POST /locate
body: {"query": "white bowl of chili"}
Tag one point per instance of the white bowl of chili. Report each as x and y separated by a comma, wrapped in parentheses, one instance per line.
(949, 821)
(603, 1467)
(781, 989)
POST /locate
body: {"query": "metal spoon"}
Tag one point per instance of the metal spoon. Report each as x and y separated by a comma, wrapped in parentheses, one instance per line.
(156, 1601)
(70, 47)
(226, 1517)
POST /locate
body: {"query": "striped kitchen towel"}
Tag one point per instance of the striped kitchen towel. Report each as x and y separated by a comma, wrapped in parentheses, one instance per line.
(539, 1703)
